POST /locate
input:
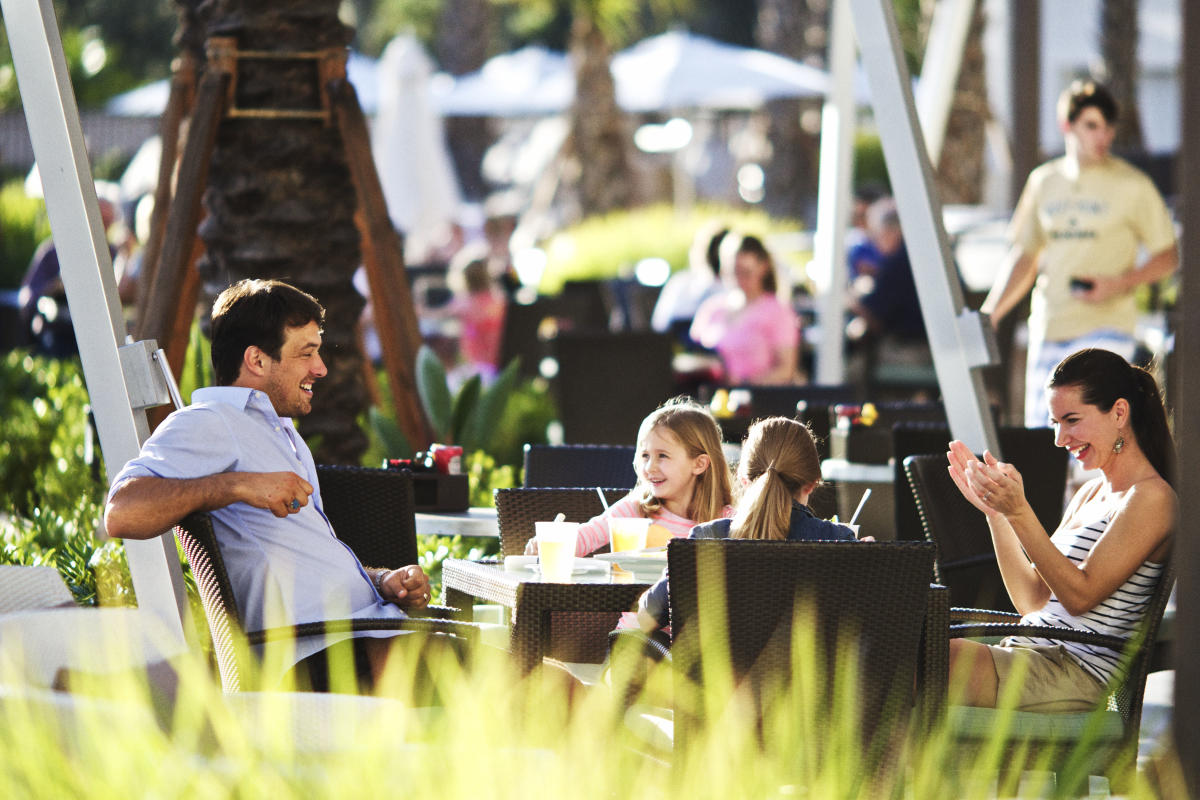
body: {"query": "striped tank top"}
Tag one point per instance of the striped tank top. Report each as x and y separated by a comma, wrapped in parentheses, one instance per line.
(1118, 614)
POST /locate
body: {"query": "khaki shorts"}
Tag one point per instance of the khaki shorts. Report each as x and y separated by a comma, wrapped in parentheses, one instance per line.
(1052, 679)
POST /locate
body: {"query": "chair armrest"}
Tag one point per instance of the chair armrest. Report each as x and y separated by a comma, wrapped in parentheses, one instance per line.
(467, 630)
(656, 645)
(959, 614)
(933, 671)
(1039, 632)
(437, 612)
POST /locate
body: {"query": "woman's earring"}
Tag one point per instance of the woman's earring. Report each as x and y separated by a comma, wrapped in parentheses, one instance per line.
(1119, 444)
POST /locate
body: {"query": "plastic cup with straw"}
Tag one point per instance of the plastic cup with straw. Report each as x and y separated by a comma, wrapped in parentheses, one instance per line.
(853, 523)
(624, 533)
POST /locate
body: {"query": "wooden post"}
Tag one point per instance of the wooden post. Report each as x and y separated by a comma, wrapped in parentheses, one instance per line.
(166, 291)
(395, 317)
(179, 104)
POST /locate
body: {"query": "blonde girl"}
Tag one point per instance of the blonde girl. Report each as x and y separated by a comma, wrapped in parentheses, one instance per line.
(683, 477)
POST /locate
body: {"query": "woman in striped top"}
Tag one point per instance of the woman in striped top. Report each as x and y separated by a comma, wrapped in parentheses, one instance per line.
(1100, 567)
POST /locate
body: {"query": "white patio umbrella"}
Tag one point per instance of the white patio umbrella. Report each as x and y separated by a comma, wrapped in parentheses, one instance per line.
(532, 81)
(409, 146)
(676, 70)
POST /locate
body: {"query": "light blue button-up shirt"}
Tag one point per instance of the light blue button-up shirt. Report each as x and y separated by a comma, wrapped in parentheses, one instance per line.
(283, 570)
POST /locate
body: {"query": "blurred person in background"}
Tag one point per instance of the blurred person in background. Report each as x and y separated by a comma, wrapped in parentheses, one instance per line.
(687, 289)
(887, 326)
(43, 298)
(1075, 240)
(756, 334)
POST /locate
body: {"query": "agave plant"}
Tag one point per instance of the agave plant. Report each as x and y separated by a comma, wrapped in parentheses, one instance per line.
(469, 418)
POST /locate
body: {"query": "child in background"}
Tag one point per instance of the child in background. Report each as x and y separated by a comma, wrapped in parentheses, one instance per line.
(682, 477)
(479, 304)
(777, 473)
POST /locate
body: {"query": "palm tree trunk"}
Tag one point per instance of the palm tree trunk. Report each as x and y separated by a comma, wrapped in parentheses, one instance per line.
(463, 34)
(795, 29)
(600, 138)
(960, 170)
(1118, 48)
(280, 203)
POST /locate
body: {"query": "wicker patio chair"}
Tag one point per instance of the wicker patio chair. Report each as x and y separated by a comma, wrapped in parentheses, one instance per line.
(865, 605)
(372, 511)
(1102, 742)
(231, 643)
(1042, 464)
(608, 382)
(580, 636)
(966, 558)
(580, 465)
(517, 509)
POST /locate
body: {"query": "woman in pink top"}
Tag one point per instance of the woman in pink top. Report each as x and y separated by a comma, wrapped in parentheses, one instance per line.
(683, 478)
(756, 335)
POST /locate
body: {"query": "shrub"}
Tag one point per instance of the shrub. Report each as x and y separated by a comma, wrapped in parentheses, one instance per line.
(24, 223)
(47, 457)
(611, 245)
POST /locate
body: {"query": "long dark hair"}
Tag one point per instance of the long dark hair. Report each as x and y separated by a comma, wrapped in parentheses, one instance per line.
(1104, 377)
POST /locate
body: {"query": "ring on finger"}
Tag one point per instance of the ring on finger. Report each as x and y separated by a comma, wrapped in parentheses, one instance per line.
(294, 505)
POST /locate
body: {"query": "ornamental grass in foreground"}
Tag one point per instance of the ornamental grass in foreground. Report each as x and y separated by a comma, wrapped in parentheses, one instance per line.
(494, 735)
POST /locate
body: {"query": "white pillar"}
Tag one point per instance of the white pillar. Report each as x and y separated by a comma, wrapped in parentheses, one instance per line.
(87, 274)
(939, 70)
(833, 198)
(961, 341)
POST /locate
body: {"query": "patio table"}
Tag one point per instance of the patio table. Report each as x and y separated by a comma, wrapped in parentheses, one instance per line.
(532, 599)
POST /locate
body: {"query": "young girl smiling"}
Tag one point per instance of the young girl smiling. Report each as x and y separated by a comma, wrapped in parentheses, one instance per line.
(683, 477)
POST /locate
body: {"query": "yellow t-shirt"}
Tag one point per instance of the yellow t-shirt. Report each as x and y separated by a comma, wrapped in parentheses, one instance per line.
(1086, 222)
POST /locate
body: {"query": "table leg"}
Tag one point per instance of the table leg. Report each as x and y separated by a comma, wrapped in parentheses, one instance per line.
(463, 602)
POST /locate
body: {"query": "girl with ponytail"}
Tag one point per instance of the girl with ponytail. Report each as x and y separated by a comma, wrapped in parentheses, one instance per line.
(777, 473)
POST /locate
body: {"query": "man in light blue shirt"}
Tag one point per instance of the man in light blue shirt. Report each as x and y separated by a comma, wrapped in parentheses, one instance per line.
(235, 454)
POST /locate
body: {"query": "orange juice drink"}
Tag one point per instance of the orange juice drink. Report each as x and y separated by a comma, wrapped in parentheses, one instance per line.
(627, 533)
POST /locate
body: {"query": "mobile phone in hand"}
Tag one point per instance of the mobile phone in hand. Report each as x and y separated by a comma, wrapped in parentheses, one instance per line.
(1082, 285)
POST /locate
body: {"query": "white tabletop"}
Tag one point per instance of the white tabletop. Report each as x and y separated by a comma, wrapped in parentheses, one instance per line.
(475, 522)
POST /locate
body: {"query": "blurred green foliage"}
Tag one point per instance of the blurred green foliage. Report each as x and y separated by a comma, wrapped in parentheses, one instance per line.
(869, 164)
(433, 550)
(47, 459)
(51, 489)
(498, 419)
(611, 245)
(24, 223)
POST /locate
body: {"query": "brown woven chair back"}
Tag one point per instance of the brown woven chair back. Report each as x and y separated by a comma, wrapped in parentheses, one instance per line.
(579, 465)
(966, 560)
(372, 511)
(1042, 464)
(517, 510)
(865, 602)
(199, 543)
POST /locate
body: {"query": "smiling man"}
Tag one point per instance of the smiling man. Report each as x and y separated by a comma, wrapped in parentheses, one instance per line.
(1075, 241)
(235, 453)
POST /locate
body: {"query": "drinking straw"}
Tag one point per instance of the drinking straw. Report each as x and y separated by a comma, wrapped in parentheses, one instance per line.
(603, 500)
(861, 503)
